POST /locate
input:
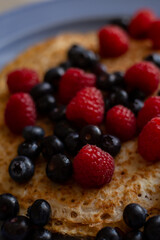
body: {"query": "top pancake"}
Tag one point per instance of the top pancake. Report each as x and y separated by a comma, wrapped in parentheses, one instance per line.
(78, 211)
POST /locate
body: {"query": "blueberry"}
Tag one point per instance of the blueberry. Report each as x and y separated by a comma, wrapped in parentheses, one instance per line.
(72, 143)
(29, 149)
(99, 68)
(33, 133)
(155, 58)
(134, 216)
(45, 104)
(90, 134)
(136, 106)
(40, 212)
(9, 206)
(104, 81)
(122, 22)
(21, 169)
(53, 76)
(65, 65)
(62, 129)
(59, 168)
(51, 145)
(134, 235)
(137, 94)
(110, 144)
(108, 233)
(81, 57)
(17, 228)
(119, 96)
(152, 228)
(58, 113)
(41, 234)
(41, 90)
(119, 79)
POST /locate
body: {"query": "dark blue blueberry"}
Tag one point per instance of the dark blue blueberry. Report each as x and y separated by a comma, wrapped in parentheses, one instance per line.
(51, 145)
(136, 106)
(33, 133)
(9, 206)
(29, 149)
(134, 235)
(53, 76)
(40, 212)
(65, 65)
(119, 96)
(72, 143)
(154, 58)
(152, 228)
(104, 81)
(122, 22)
(62, 129)
(41, 234)
(99, 68)
(59, 168)
(137, 94)
(110, 144)
(119, 79)
(45, 104)
(58, 113)
(41, 90)
(134, 216)
(90, 134)
(17, 228)
(21, 169)
(108, 233)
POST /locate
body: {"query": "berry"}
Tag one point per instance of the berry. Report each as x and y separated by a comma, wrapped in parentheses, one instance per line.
(40, 212)
(21, 169)
(17, 228)
(87, 105)
(93, 167)
(136, 106)
(152, 228)
(41, 234)
(51, 145)
(29, 149)
(72, 144)
(45, 104)
(53, 76)
(9, 206)
(134, 215)
(41, 90)
(20, 112)
(148, 141)
(154, 58)
(113, 41)
(144, 76)
(99, 68)
(58, 113)
(62, 129)
(33, 133)
(73, 81)
(81, 57)
(22, 80)
(110, 144)
(154, 34)
(150, 110)
(59, 168)
(119, 96)
(121, 122)
(136, 94)
(141, 23)
(65, 65)
(134, 235)
(90, 134)
(122, 22)
(108, 233)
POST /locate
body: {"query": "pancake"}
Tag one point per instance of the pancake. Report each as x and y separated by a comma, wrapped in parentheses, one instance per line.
(77, 211)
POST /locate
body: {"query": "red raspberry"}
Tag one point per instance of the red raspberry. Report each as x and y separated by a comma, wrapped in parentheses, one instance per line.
(20, 112)
(148, 141)
(121, 122)
(113, 41)
(150, 110)
(141, 23)
(87, 105)
(144, 76)
(73, 81)
(93, 167)
(154, 34)
(22, 80)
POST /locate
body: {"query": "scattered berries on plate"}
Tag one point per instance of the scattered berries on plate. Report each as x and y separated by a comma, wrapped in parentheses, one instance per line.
(90, 134)
(29, 149)
(93, 167)
(9, 206)
(53, 77)
(41, 90)
(110, 144)
(33, 133)
(154, 34)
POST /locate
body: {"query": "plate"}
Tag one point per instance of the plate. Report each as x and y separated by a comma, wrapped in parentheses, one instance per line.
(28, 25)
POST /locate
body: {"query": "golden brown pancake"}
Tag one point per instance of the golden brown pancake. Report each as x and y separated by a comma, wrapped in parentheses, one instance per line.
(78, 211)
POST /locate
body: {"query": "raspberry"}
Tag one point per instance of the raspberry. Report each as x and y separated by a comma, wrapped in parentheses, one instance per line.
(154, 34)
(113, 41)
(22, 80)
(121, 122)
(150, 110)
(141, 23)
(73, 81)
(93, 167)
(148, 141)
(87, 106)
(20, 112)
(144, 76)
